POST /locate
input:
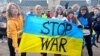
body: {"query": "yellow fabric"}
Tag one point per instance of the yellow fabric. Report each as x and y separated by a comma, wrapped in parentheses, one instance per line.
(33, 43)
(14, 25)
(78, 22)
(94, 32)
(44, 16)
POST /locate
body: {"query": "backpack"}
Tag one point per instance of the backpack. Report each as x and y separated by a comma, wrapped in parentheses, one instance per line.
(96, 26)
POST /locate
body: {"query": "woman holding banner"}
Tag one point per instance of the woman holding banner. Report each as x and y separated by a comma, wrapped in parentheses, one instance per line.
(58, 12)
(38, 10)
(71, 17)
(38, 13)
(58, 15)
(86, 23)
(14, 28)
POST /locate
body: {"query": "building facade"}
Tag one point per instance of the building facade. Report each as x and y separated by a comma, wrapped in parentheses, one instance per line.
(26, 4)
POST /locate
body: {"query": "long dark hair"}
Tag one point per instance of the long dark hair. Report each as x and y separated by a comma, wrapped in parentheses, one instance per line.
(84, 8)
(60, 14)
(58, 6)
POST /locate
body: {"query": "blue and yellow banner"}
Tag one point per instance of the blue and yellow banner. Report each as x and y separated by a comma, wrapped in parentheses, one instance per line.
(51, 36)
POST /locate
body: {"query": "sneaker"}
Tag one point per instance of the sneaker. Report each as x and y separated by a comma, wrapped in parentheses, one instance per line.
(95, 45)
(4, 40)
(98, 41)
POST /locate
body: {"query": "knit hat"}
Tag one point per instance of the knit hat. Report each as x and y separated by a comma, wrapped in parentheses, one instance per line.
(59, 6)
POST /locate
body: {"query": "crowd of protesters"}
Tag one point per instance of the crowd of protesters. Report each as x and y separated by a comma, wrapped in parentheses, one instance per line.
(11, 21)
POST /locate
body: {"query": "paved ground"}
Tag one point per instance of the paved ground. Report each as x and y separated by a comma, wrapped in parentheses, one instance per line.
(4, 51)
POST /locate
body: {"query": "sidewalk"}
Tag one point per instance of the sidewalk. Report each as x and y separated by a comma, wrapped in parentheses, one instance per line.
(4, 51)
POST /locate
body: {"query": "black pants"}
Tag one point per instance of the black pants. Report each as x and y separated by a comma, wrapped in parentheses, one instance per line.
(11, 48)
(57, 54)
(2, 32)
(44, 54)
(88, 45)
(1, 36)
(97, 37)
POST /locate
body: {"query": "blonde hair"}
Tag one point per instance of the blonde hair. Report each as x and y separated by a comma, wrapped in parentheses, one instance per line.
(9, 14)
(75, 6)
(38, 6)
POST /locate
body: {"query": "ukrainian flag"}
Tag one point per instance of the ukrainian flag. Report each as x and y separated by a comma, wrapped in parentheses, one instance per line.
(51, 36)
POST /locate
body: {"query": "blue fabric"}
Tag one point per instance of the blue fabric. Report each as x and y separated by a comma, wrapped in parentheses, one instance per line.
(31, 14)
(77, 12)
(37, 23)
(83, 21)
(93, 39)
(98, 32)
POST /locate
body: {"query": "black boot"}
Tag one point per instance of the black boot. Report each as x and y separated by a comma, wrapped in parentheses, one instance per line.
(95, 45)
(98, 38)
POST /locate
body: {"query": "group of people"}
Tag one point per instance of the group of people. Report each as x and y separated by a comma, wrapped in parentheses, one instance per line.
(87, 20)
(3, 27)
